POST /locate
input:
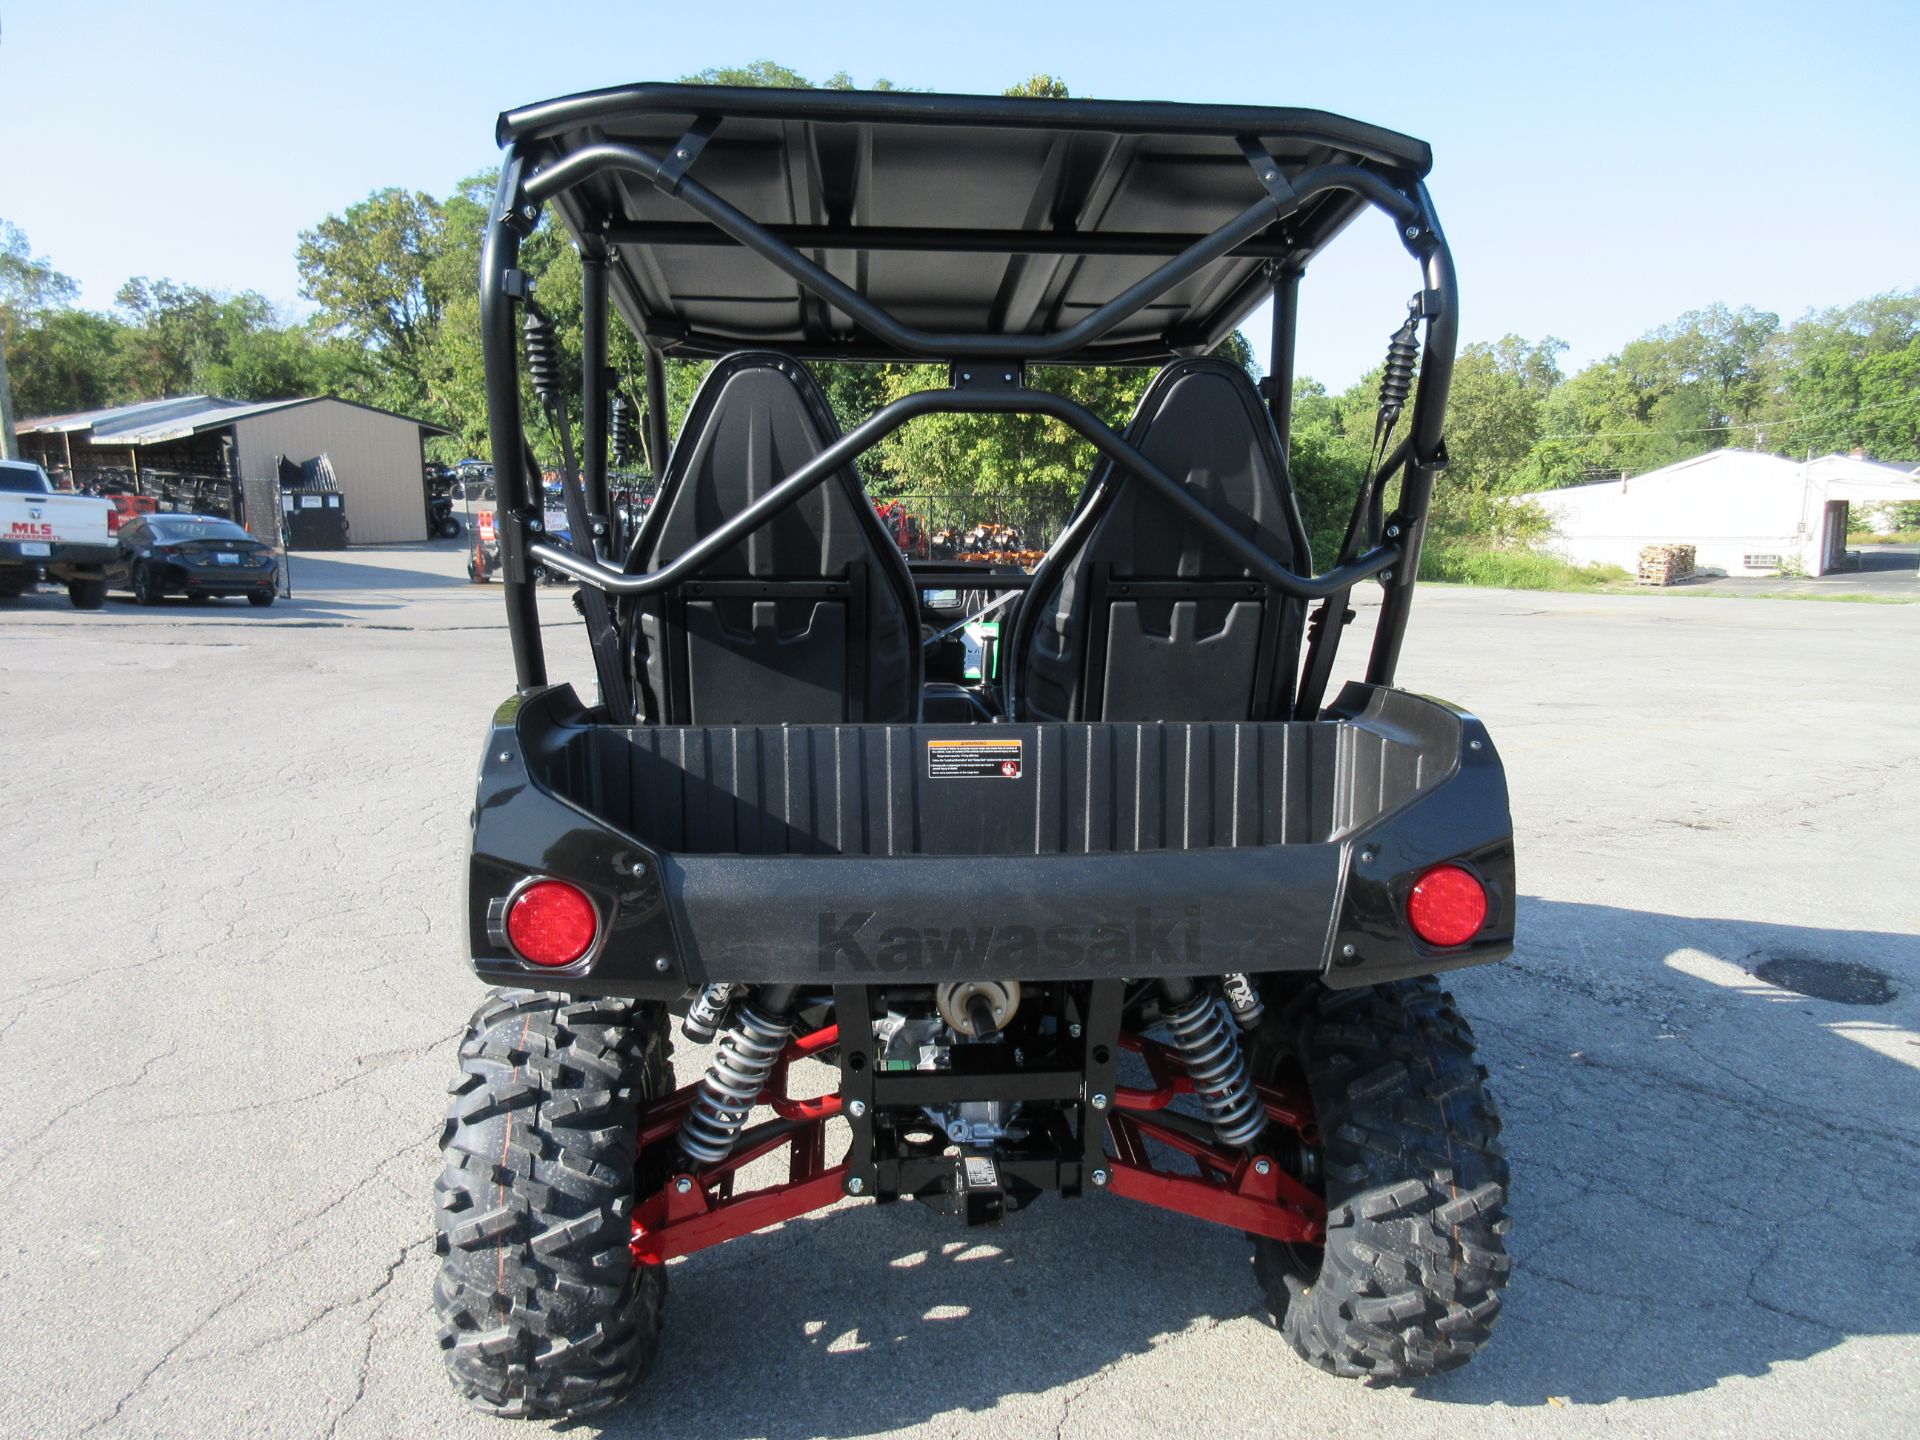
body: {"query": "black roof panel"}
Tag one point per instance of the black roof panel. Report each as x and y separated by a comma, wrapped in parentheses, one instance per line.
(975, 215)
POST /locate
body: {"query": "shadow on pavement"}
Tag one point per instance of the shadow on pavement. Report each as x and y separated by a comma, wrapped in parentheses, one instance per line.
(321, 571)
(867, 1320)
(1712, 1175)
(1711, 1179)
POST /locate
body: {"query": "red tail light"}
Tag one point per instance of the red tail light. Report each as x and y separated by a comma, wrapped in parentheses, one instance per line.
(551, 923)
(1447, 907)
(113, 521)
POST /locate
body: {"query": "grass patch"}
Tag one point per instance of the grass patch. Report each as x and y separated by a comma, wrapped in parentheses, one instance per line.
(1845, 597)
(1456, 564)
(1892, 537)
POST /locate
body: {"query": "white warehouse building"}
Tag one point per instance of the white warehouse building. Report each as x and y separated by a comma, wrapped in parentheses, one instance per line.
(1744, 513)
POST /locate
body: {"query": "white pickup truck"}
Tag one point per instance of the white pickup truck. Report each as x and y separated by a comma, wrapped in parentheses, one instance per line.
(67, 537)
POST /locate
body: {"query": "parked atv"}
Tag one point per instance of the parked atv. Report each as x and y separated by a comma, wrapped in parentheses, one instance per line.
(442, 523)
(1131, 911)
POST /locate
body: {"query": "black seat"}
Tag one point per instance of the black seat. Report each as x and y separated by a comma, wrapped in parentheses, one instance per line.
(1137, 614)
(810, 619)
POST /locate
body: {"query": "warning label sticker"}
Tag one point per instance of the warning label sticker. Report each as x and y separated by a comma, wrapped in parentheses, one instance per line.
(974, 759)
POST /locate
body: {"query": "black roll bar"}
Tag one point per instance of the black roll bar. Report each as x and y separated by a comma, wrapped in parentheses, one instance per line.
(1427, 454)
(891, 417)
(593, 394)
(499, 254)
(516, 208)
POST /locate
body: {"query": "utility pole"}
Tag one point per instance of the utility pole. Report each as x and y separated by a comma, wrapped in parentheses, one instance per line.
(9, 444)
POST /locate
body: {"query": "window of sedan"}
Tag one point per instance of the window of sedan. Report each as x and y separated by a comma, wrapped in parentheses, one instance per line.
(173, 530)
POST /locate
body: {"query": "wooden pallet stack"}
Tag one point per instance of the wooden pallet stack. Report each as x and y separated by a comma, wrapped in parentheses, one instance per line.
(1664, 564)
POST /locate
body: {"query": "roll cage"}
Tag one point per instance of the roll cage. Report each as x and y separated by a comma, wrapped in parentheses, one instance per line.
(627, 171)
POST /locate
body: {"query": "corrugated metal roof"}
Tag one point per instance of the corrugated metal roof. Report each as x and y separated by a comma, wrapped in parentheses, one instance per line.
(153, 422)
(112, 415)
(212, 413)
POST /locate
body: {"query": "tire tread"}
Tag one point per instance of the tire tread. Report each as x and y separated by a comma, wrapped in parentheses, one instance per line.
(542, 1312)
(1408, 1283)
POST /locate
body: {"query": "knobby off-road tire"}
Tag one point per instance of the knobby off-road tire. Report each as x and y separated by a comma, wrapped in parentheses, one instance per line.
(542, 1311)
(1408, 1283)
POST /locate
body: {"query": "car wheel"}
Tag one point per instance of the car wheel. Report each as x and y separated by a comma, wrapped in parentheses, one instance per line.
(260, 599)
(87, 594)
(146, 585)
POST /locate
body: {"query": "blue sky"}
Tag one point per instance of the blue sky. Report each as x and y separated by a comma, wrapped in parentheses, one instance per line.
(1599, 168)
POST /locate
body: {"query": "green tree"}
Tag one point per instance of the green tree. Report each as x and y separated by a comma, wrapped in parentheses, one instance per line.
(1493, 410)
(1040, 86)
(765, 73)
(1851, 376)
(57, 357)
(379, 274)
(63, 361)
(1326, 464)
(29, 285)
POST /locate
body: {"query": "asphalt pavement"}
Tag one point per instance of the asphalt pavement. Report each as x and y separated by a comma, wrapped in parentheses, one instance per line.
(234, 989)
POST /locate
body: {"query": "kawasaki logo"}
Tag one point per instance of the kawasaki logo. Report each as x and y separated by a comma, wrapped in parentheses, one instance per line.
(854, 942)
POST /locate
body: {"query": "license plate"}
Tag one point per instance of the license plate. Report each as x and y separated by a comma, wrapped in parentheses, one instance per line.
(35, 547)
(227, 557)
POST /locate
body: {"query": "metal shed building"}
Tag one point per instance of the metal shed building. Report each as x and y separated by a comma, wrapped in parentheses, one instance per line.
(377, 455)
(1743, 512)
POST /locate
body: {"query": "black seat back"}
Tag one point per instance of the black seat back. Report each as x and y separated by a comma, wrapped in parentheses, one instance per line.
(810, 619)
(1138, 614)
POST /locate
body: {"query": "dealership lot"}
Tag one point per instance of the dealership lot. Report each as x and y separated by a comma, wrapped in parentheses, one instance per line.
(234, 991)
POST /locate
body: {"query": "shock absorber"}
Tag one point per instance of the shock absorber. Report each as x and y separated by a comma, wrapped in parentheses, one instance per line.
(543, 355)
(1243, 999)
(620, 429)
(741, 1066)
(1396, 377)
(708, 1013)
(1209, 1041)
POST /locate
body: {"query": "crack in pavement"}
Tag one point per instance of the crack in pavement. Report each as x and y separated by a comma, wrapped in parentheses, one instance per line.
(250, 1280)
(366, 1351)
(395, 1057)
(84, 1101)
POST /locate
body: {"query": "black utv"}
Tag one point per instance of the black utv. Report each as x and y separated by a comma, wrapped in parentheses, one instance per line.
(1140, 912)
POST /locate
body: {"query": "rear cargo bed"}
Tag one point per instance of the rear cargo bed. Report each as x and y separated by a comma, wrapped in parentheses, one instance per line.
(806, 853)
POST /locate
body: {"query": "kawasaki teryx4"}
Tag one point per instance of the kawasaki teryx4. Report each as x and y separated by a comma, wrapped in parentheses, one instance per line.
(1138, 914)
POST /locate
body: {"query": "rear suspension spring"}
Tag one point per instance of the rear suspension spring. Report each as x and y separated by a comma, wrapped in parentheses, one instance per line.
(741, 1066)
(543, 355)
(1209, 1042)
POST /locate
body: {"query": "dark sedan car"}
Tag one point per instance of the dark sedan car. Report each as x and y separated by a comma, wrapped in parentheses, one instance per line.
(199, 556)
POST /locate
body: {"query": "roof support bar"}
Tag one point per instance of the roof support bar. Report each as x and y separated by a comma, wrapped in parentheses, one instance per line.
(925, 238)
(926, 402)
(499, 254)
(598, 158)
(1427, 454)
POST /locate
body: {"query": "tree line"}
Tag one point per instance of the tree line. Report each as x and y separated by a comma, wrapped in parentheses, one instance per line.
(395, 323)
